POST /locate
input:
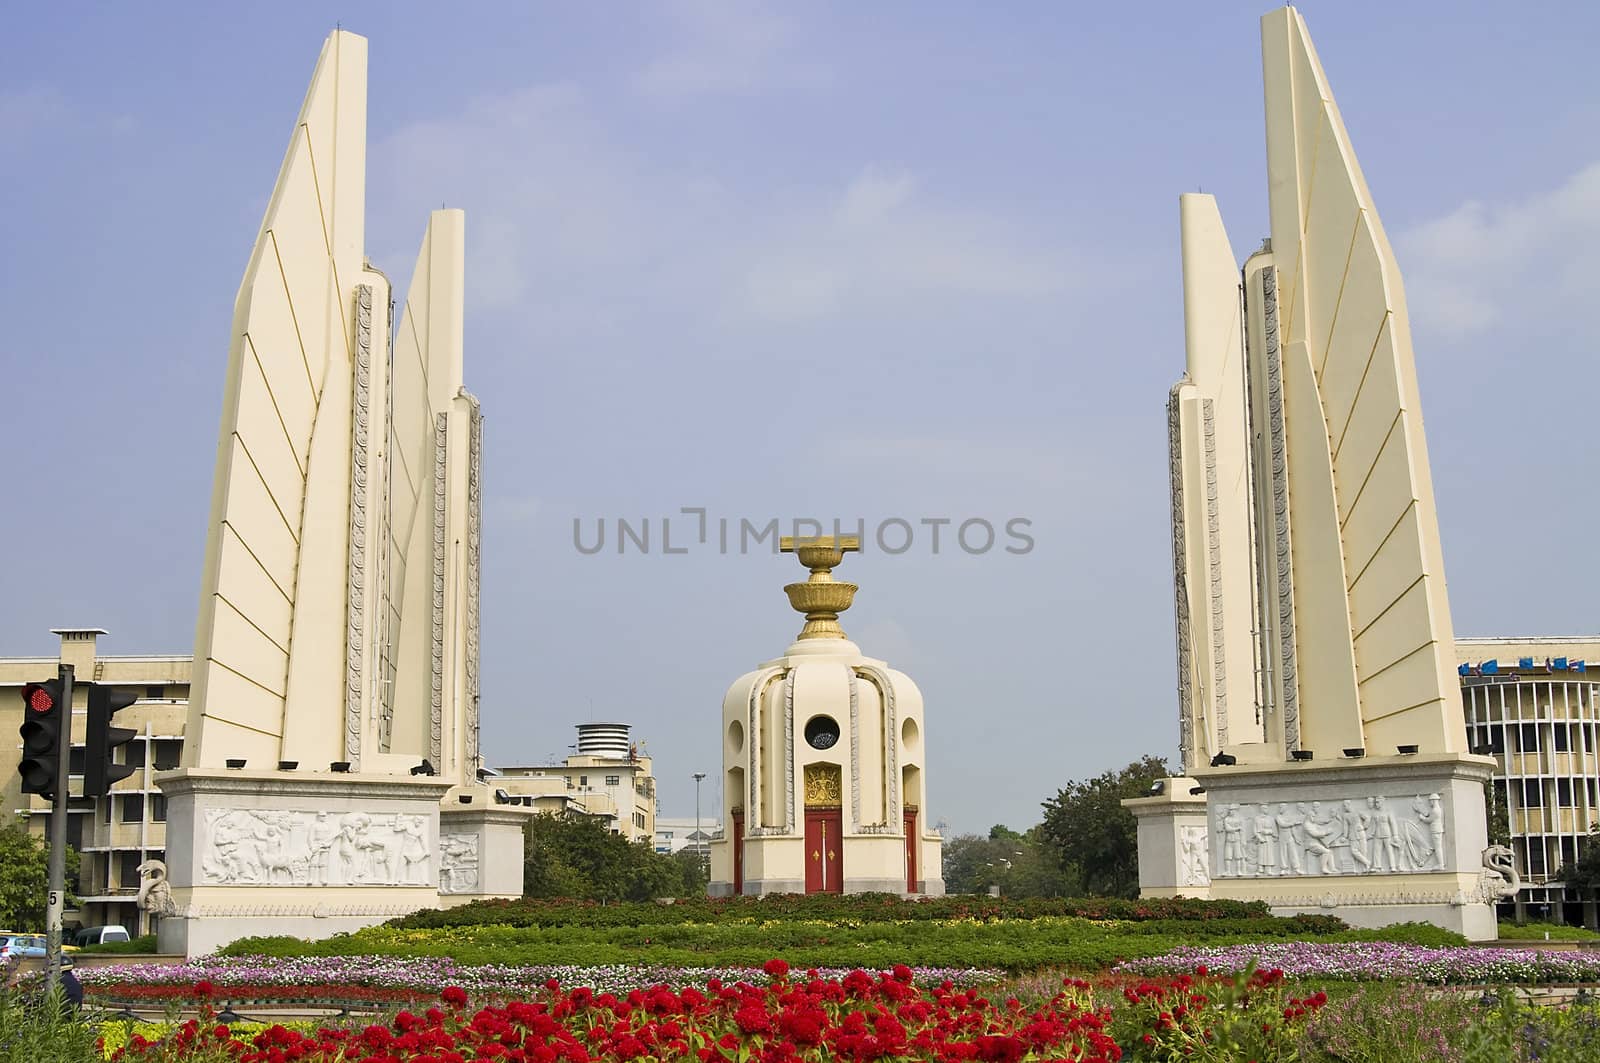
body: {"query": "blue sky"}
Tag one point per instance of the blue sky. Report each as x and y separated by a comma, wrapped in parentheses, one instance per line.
(797, 261)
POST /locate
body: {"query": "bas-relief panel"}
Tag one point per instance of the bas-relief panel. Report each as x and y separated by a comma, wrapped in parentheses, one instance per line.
(458, 862)
(1355, 836)
(1194, 865)
(261, 847)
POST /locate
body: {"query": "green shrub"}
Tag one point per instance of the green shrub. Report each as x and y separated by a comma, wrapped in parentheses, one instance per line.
(143, 944)
(873, 907)
(1425, 934)
(1510, 931)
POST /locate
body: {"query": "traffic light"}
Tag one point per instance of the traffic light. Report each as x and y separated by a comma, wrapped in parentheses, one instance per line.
(98, 770)
(44, 716)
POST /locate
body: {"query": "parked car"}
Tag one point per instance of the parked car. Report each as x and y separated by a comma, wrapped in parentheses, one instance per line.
(21, 946)
(99, 935)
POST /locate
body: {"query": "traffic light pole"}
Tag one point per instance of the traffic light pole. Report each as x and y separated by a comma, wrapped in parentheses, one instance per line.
(57, 884)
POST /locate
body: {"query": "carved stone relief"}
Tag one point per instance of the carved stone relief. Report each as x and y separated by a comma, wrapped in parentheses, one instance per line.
(1180, 587)
(458, 862)
(824, 787)
(1194, 861)
(259, 847)
(1354, 836)
(436, 672)
(1280, 510)
(1219, 671)
(355, 619)
(474, 545)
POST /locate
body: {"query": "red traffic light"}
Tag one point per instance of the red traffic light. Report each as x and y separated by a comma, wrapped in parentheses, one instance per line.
(39, 697)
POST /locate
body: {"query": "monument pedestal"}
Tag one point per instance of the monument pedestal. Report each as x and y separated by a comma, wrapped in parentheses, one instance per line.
(1173, 858)
(1375, 840)
(309, 854)
(480, 854)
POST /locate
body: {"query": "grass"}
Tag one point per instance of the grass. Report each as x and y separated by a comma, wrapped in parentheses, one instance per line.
(1510, 931)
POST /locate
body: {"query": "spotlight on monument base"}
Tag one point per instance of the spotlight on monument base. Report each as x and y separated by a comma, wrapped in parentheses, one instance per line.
(235, 762)
(425, 768)
(288, 765)
(503, 797)
(1197, 790)
(1407, 749)
(527, 800)
(1223, 760)
(1302, 754)
(340, 766)
(465, 799)
(1158, 787)
(1355, 752)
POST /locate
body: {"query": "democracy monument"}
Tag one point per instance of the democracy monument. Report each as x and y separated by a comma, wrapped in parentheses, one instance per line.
(329, 774)
(331, 769)
(1324, 755)
(822, 760)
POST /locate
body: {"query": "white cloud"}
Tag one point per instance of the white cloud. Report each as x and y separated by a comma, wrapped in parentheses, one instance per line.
(1475, 267)
(563, 215)
(883, 242)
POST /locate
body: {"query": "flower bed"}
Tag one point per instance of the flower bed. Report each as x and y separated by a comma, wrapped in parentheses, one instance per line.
(1456, 965)
(382, 979)
(856, 1017)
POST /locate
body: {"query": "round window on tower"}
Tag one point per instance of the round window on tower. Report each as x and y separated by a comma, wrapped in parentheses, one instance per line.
(822, 732)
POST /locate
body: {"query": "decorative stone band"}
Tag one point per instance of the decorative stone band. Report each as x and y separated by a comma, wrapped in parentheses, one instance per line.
(314, 910)
(474, 564)
(441, 430)
(1219, 668)
(891, 752)
(1180, 587)
(758, 693)
(1287, 669)
(356, 624)
(278, 787)
(1374, 898)
(788, 749)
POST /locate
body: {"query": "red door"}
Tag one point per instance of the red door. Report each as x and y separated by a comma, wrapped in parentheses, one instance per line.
(911, 850)
(824, 855)
(738, 853)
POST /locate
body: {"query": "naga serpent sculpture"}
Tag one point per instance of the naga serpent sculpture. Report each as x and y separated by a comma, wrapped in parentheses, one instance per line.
(155, 896)
(1500, 878)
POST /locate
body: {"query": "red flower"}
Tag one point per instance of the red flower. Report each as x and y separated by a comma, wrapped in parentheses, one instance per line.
(454, 996)
(203, 989)
(776, 968)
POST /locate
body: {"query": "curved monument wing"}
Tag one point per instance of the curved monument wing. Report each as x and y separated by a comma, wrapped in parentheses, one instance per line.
(1210, 482)
(287, 397)
(1371, 612)
(426, 376)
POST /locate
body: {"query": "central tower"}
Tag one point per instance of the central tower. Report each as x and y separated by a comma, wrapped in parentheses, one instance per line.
(822, 760)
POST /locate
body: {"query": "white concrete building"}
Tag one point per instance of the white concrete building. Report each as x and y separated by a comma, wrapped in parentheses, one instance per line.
(608, 778)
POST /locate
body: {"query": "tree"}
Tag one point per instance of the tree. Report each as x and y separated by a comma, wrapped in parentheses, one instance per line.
(1089, 829)
(1021, 865)
(1585, 874)
(24, 874)
(576, 856)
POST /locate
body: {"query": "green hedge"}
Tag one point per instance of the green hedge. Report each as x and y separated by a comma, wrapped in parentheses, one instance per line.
(1006, 944)
(864, 907)
(144, 944)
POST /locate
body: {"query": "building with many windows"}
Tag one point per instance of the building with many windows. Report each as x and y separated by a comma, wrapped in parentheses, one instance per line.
(675, 834)
(113, 835)
(1534, 704)
(607, 778)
